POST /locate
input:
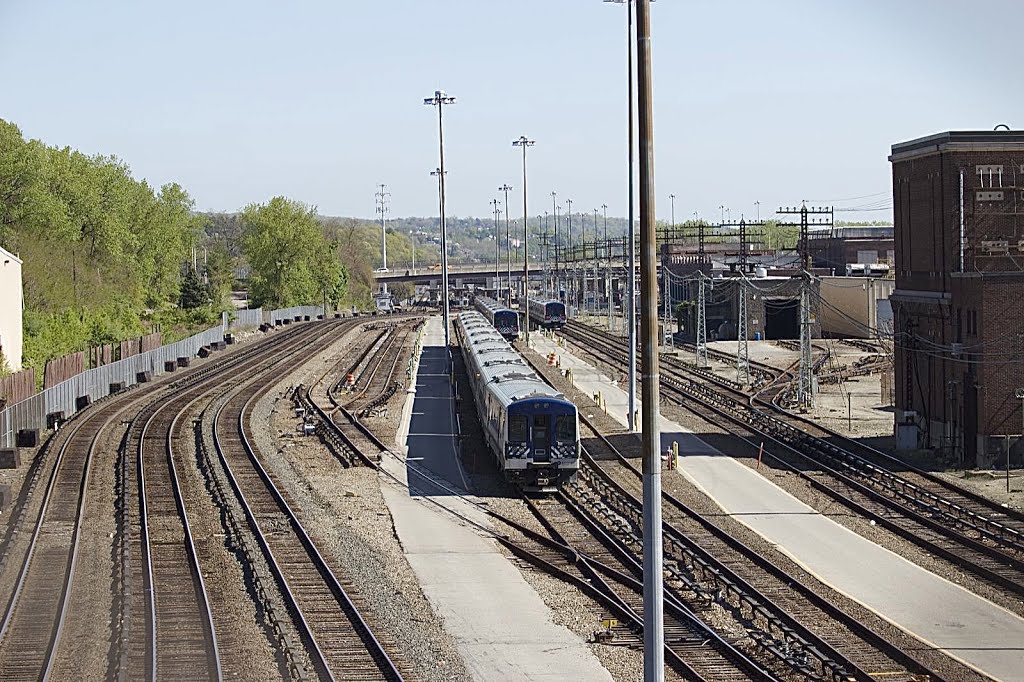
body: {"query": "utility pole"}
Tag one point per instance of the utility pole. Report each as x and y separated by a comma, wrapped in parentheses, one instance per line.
(803, 245)
(672, 199)
(702, 322)
(525, 143)
(506, 188)
(607, 267)
(757, 204)
(439, 100)
(497, 253)
(596, 264)
(572, 252)
(654, 600)
(558, 271)
(382, 198)
(412, 233)
(441, 228)
(742, 351)
(805, 393)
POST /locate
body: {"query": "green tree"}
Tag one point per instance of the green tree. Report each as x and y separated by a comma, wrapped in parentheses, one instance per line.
(291, 262)
(193, 291)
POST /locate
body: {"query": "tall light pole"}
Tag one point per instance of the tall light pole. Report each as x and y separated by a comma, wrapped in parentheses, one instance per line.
(497, 253)
(757, 204)
(412, 232)
(382, 196)
(558, 272)
(607, 267)
(722, 209)
(672, 199)
(654, 652)
(524, 143)
(439, 100)
(572, 277)
(441, 228)
(631, 238)
(506, 188)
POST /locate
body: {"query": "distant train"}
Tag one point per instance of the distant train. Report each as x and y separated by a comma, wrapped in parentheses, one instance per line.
(502, 318)
(547, 313)
(531, 429)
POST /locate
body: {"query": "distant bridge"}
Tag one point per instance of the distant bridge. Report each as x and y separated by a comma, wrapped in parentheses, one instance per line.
(460, 275)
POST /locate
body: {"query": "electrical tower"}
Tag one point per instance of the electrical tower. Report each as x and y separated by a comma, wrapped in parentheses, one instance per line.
(805, 393)
(383, 198)
(702, 323)
(803, 245)
(742, 351)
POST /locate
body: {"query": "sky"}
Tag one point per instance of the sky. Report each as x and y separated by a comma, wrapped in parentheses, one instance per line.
(754, 101)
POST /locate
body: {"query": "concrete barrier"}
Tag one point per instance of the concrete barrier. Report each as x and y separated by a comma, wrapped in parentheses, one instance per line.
(27, 438)
(10, 458)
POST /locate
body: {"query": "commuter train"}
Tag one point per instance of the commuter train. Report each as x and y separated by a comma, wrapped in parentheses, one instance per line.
(547, 313)
(505, 320)
(531, 429)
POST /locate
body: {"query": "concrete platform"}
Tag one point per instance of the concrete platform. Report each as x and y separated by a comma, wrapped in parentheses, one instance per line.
(501, 625)
(943, 615)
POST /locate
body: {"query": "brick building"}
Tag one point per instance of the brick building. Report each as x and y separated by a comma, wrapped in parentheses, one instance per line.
(835, 248)
(959, 302)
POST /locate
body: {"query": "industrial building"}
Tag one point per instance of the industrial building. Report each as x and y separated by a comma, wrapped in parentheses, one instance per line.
(11, 305)
(959, 300)
(842, 249)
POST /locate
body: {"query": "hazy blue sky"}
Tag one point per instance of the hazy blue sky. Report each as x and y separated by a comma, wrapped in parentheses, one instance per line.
(754, 101)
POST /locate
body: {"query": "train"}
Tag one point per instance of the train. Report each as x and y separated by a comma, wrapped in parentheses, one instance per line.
(531, 429)
(502, 318)
(547, 313)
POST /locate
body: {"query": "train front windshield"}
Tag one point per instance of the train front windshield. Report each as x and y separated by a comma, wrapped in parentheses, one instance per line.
(506, 321)
(540, 426)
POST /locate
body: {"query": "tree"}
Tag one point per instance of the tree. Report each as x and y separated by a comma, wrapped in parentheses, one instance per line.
(193, 291)
(220, 273)
(291, 262)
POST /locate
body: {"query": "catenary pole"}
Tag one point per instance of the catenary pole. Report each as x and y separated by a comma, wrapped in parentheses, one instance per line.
(654, 653)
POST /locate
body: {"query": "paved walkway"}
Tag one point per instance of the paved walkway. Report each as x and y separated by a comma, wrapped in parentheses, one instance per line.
(501, 625)
(973, 630)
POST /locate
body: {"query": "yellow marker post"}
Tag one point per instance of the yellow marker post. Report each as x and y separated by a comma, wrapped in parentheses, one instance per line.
(675, 454)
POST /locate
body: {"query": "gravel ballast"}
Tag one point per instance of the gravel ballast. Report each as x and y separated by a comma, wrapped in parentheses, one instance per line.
(344, 511)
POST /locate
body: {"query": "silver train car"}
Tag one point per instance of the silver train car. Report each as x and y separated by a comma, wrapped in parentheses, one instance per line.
(502, 318)
(547, 313)
(531, 429)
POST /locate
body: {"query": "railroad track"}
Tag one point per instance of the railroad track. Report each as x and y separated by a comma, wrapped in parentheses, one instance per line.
(337, 637)
(382, 384)
(158, 630)
(989, 546)
(722, 564)
(692, 648)
(36, 610)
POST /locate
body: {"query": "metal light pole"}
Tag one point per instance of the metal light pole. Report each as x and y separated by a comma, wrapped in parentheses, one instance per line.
(497, 253)
(572, 278)
(631, 240)
(558, 271)
(758, 205)
(382, 209)
(506, 188)
(654, 653)
(722, 209)
(413, 233)
(441, 228)
(672, 199)
(607, 267)
(439, 100)
(524, 143)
